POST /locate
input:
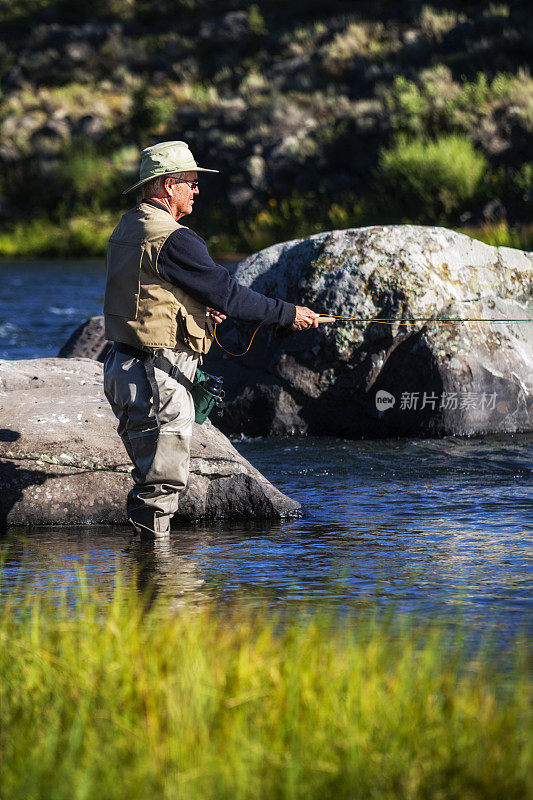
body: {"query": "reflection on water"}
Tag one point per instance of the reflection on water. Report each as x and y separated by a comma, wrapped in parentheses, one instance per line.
(431, 527)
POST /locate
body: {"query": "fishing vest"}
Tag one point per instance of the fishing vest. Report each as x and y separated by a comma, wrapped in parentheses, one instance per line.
(140, 307)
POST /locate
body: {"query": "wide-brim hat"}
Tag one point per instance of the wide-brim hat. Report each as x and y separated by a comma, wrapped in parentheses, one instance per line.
(165, 158)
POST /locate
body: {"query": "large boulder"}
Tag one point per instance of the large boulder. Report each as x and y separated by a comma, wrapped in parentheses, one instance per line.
(61, 461)
(377, 380)
(87, 341)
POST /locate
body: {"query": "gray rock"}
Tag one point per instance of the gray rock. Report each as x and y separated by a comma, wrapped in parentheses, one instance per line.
(87, 341)
(90, 126)
(78, 52)
(227, 28)
(61, 461)
(50, 138)
(377, 380)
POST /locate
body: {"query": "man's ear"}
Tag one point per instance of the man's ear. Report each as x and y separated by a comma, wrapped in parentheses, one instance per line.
(168, 186)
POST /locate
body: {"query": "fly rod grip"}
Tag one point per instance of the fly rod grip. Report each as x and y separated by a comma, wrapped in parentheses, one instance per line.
(324, 318)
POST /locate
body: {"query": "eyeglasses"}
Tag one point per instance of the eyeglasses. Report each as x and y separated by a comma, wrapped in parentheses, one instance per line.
(191, 184)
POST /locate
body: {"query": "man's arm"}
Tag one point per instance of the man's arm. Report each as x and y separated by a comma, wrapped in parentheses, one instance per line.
(184, 261)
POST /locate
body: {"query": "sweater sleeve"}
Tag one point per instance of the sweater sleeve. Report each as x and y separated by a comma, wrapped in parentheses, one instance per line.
(185, 262)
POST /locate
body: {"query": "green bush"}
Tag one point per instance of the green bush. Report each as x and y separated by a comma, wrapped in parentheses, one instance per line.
(429, 179)
(299, 215)
(422, 107)
(84, 179)
(434, 103)
(521, 181)
(150, 113)
(256, 19)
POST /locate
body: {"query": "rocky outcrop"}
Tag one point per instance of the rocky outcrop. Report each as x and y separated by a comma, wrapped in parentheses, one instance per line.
(61, 461)
(377, 380)
(87, 341)
(294, 107)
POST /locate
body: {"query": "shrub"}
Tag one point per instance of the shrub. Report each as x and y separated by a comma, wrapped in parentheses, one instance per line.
(256, 19)
(372, 41)
(430, 178)
(435, 23)
(83, 178)
(522, 184)
(149, 112)
(423, 107)
(299, 215)
(435, 103)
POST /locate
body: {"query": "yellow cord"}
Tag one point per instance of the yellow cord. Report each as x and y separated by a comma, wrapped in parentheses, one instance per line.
(235, 355)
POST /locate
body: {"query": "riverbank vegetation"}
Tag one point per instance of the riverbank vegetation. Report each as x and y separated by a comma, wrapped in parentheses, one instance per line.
(318, 116)
(87, 236)
(109, 698)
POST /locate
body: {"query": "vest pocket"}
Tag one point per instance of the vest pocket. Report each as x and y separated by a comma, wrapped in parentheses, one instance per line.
(191, 330)
(123, 279)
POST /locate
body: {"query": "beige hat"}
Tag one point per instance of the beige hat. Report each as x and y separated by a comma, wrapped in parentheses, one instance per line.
(165, 158)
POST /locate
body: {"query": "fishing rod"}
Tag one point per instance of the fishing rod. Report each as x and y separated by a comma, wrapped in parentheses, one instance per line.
(441, 320)
(332, 318)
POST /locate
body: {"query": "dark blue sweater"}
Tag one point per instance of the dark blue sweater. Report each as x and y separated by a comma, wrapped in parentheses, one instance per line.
(185, 262)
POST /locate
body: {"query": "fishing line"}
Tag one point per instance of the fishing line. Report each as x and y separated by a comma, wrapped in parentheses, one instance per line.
(235, 355)
(325, 318)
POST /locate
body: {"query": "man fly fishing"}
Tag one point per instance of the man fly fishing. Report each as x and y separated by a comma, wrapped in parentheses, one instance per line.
(163, 295)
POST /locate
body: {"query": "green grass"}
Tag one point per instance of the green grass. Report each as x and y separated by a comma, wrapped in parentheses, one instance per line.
(103, 698)
(500, 234)
(80, 236)
(86, 236)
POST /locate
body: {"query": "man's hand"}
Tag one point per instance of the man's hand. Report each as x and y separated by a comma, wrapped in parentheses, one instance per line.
(214, 315)
(305, 318)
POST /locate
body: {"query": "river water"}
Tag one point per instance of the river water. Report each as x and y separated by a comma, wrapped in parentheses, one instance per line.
(438, 528)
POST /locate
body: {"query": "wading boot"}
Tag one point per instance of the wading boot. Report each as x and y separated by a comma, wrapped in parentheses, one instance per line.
(150, 526)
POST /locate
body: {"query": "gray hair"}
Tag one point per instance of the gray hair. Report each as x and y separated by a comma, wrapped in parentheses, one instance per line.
(155, 186)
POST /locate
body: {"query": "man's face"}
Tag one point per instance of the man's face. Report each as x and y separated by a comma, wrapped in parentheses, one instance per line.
(182, 197)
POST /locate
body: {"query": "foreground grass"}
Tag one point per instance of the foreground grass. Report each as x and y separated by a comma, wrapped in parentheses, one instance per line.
(104, 699)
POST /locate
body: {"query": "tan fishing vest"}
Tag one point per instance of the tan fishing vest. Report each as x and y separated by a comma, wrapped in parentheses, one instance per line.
(140, 307)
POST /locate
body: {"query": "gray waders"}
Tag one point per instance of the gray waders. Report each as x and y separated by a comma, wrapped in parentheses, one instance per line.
(155, 413)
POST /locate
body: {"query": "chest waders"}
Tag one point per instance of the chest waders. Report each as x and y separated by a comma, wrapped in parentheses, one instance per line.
(206, 390)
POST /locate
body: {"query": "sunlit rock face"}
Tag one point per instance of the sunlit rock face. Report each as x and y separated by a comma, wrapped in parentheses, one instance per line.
(61, 461)
(364, 379)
